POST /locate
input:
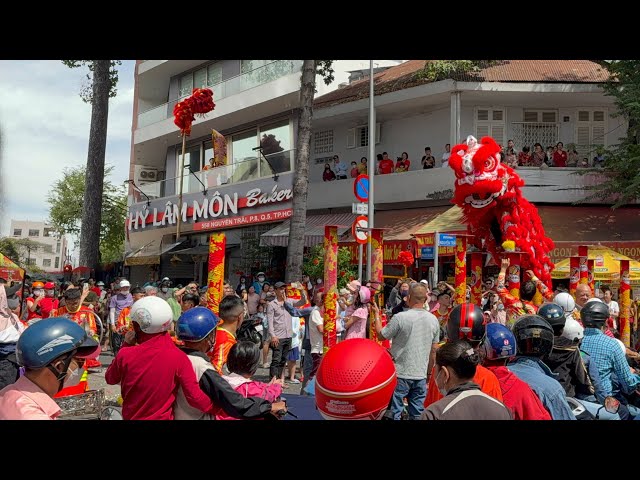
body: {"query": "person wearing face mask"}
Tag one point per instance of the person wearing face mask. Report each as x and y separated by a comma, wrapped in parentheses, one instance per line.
(260, 279)
(456, 364)
(196, 328)
(49, 302)
(118, 302)
(403, 295)
(33, 302)
(165, 292)
(53, 353)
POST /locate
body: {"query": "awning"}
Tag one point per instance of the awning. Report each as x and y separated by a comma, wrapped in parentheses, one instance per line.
(149, 254)
(450, 221)
(314, 230)
(606, 265)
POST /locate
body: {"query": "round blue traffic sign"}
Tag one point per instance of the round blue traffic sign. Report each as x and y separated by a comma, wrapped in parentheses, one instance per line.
(361, 187)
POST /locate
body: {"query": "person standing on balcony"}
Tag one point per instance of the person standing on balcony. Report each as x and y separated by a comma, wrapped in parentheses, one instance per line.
(354, 169)
(572, 156)
(524, 157)
(559, 156)
(428, 161)
(328, 175)
(509, 153)
(446, 155)
(385, 165)
(362, 166)
(340, 167)
(403, 163)
(538, 158)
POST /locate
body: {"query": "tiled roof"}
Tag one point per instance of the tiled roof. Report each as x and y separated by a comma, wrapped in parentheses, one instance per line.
(404, 76)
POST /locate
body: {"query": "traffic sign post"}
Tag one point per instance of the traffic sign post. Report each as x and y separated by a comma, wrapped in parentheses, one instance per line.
(361, 192)
(360, 208)
(361, 187)
(361, 236)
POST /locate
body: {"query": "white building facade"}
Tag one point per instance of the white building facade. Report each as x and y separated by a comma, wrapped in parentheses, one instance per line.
(51, 256)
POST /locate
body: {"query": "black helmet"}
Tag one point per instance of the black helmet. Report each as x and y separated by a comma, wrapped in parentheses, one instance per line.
(465, 322)
(594, 314)
(553, 313)
(534, 336)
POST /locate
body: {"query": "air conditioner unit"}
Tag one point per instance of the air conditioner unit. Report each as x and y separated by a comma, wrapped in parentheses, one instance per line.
(146, 178)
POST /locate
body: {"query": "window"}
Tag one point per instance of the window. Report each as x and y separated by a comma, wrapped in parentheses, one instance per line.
(541, 116)
(359, 136)
(58, 247)
(490, 122)
(275, 138)
(48, 249)
(590, 131)
(17, 232)
(48, 232)
(34, 232)
(31, 261)
(539, 126)
(46, 262)
(203, 77)
(323, 142)
(57, 265)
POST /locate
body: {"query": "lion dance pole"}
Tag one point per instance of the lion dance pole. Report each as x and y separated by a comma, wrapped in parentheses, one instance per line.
(376, 277)
(583, 253)
(461, 270)
(199, 103)
(476, 278)
(591, 277)
(625, 302)
(574, 275)
(330, 286)
(215, 279)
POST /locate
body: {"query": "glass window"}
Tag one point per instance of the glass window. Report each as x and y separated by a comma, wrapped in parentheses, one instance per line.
(17, 232)
(200, 78)
(214, 74)
(46, 262)
(244, 157)
(58, 247)
(57, 265)
(186, 85)
(275, 138)
(34, 232)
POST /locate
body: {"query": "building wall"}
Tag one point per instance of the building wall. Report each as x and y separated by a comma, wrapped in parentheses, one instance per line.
(41, 254)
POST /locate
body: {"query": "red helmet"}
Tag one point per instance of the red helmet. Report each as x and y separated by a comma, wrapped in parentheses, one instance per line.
(355, 381)
(49, 286)
(466, 321)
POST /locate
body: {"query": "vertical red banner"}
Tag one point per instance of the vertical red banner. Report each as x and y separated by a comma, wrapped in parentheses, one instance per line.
(513, 274)
(476, 278)
(583, 253)
(591, 279)
(215, 278)
(330, 286)
(461, 270)
(377, 275)
(625, 302)
(574, 275)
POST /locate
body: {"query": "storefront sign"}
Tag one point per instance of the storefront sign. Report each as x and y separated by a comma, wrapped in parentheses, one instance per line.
(247, 203)
(428, 240)
(564, 250)
(391, 250)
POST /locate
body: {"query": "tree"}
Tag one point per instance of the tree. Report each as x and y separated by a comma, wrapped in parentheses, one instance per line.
(435, 70)
(19, 251)
(103, 86)
(10, 250)
(314, 265)
(67, 202)
(621, 171)
(295, 250)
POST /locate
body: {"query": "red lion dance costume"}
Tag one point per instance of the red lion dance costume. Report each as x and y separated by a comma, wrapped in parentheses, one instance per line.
(495, 211)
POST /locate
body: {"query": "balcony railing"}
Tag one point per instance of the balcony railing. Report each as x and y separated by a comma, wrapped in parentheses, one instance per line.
(227, 88)
(245, 170)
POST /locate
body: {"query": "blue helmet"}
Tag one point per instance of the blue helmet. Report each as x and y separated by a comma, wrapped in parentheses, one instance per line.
(50, 338)
(498, 342)
(196, 323)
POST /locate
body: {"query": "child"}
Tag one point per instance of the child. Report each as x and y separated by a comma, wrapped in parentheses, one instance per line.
(243, 361)
(354, 169)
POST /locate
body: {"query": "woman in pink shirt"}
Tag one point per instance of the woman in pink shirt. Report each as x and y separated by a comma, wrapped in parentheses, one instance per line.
(356, 322)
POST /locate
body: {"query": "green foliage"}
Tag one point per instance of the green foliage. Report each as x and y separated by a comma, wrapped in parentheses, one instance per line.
(20, 250)
(324, 68)
(86, 93)
(314, 265)
(66, 201)
(10, 250)
(435, 70)
(621, 172)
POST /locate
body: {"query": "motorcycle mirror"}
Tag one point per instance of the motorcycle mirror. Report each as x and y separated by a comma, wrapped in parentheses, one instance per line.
(110, 413)
(611, 405)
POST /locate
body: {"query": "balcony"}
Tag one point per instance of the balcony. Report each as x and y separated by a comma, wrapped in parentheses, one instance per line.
(246, 170)
(227, 88)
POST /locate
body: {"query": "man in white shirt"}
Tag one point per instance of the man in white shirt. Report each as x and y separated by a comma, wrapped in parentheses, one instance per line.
(340, 168)
(446, 155)
(614, 308)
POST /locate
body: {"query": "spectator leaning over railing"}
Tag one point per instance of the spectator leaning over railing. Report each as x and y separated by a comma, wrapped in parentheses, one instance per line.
(446, 155)
(362, 166)
(403, 163)
(538, 157)
(385, 165)
(428, 161)
(572, 156)
(524, 157)
(328, 175)
(340, 168)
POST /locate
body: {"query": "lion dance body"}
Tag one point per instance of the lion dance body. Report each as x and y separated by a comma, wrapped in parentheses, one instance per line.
(495, 211)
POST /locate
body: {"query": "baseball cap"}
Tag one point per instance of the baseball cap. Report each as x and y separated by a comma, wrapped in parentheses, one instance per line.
(124, 283)
(279, 285)
(166, 279)
(49, 285)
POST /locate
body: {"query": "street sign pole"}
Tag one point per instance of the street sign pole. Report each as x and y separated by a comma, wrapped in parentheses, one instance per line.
(372, 161)
(436, 243)
(360, 254)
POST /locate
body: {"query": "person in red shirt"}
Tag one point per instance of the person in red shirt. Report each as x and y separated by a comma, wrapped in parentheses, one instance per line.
(385, 164)
(94, 288)
(403, 163)
(232, 314)
(499, 345)
(150, 368)
(559, 156)
(49, 302)
(466, 322)
(33, 302)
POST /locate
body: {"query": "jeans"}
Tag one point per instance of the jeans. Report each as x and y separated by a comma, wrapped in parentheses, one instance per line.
(279, 357)
(415, 391)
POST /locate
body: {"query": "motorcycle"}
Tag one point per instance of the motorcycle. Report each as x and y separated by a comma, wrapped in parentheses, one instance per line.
(581, 412)
(87, 406)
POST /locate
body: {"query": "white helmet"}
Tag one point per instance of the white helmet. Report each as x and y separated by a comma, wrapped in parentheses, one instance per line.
(153, 314)
(594, 299)
(566, 301)
(124, 283)
(573, 330)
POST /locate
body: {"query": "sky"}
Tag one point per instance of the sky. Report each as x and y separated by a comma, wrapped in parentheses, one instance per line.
(44, 126)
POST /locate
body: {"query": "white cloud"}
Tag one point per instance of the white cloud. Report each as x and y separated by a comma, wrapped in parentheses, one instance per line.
(45, 128)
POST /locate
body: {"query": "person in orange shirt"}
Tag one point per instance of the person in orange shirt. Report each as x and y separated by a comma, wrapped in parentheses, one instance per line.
(466, 322)
(123, 324)
(232, 314)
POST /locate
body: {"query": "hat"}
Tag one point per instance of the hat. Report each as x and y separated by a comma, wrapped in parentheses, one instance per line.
(260, 273)
(353, 286)
(100, 284)
(124, 283)
(425, 282)
(166, 279)
(49, 285)
(279, 285)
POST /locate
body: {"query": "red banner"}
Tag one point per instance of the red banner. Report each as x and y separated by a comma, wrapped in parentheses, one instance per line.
(574, 275)
(583, 253)
(625, 302)
(476, 278)
(564, 250)
(215, 280)
(513, 274)
(391, 250)
(461, 270)
(330, 286)
(265, 217)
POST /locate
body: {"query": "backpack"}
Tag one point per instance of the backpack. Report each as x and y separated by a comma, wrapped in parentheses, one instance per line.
(247, 331)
